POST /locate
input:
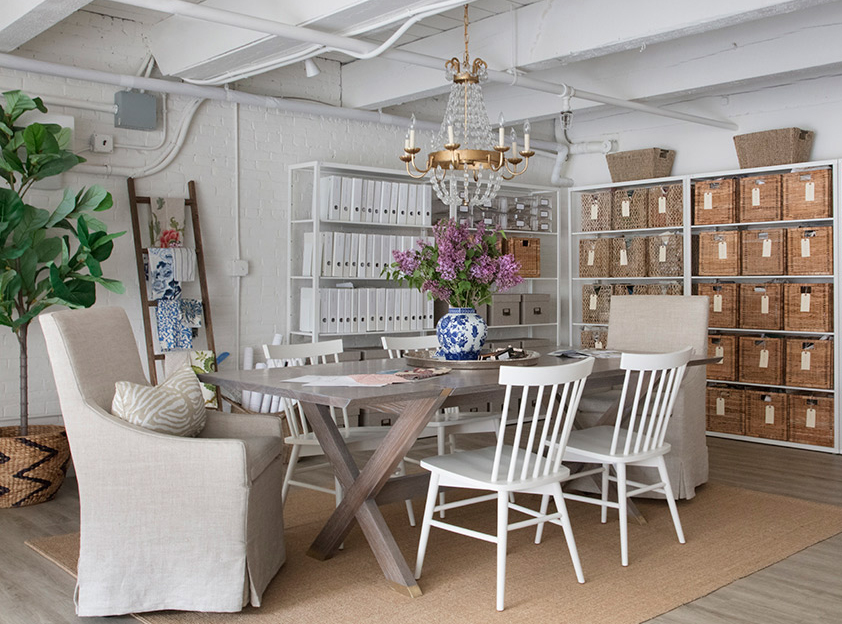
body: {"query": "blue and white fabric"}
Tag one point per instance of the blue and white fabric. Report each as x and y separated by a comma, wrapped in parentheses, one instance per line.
(161, 274)
(172, 332)
(192, 312)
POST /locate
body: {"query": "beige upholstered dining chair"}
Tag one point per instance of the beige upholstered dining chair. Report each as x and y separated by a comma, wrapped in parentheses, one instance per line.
(167, 522)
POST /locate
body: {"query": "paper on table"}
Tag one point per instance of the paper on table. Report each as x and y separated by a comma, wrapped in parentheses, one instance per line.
(351, 381)
(583, 353)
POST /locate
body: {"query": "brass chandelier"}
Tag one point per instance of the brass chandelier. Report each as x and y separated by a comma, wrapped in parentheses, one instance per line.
(470, 167)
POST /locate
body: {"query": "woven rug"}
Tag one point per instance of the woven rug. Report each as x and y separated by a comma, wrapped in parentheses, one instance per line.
(730, 533)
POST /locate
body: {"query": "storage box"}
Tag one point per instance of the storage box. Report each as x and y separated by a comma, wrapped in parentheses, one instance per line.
(527, 251)
(725, 409)
(773, 147)
(761, 360)
(761, 306)
(766, 415)
(724, 304)
(810, 419)
(810, 251)
(763, 252)
(808, 307)
(628, 257)
(665, 288)
(594, 257)
(760, 198)
(809, 363)
(666, 255)
(628, 209)
(724, 347)
(596, 211)
(537, 308)
(807, 195)
(665, 206)
(715, 201)
(596, 303)
(504, 310)
(595, 338)
(640, 164)
(621, 290)
(719, 253)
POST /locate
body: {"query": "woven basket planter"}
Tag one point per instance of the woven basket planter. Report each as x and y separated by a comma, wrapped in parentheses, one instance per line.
(32, 467)
(773, 147)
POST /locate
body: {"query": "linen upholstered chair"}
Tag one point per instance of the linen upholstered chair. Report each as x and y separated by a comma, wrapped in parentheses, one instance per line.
(167, 522)
(531, 464)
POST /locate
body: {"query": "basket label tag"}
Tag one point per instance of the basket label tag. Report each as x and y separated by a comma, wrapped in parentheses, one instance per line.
(720, 406)
(770, 414)
(805, 302)
(717, 303)
(764, 359)
(662, 205)
(810, 191)
(624, 257)
(805, 247)
(764, 304)
(811, 418)
(625, 208)
(592, 302)
(755, 196)
(594, 211)
(598, 345)
(805, 360)
(662, 253)
(723, 250)
(767, 248)
(591, 256)
(720, 351)
(708, 203)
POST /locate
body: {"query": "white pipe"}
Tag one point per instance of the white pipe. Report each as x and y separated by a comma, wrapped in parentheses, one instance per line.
(55, 100)
(238, 281)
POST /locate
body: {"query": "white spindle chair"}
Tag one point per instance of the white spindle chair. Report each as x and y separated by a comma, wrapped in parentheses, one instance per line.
(531, 464)
(639, 442)
(303, 441)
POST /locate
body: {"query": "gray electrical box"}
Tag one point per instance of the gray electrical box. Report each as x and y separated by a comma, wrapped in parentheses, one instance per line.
(137, 111)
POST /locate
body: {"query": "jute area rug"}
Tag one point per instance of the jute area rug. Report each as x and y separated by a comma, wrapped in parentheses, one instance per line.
(730, 533)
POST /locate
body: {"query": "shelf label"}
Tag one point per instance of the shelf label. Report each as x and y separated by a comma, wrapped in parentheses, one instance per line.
(662, 253)
(720, 406)
(723, 250)
(717, 303)
(662, 205)
(764, 359)
(625, 208)
(594, 211)
(720, 351)
(767, 248)
(592, 302)
(805, 302)
(805, 360)
(598, 344)
(810, 191)
(811, 418)
(770, 414)
(755, 196)
(764, 304)
(591, 257)
(624, 257)
(708, 204)
(805, 247)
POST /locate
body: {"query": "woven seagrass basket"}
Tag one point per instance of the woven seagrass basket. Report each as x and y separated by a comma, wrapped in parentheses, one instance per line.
(32, 467)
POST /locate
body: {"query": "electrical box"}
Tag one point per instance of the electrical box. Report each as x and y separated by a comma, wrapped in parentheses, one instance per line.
(136, 111)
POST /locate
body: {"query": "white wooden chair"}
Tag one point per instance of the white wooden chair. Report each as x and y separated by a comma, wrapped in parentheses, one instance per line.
(649, 403)
(302, 439)
(531, 464)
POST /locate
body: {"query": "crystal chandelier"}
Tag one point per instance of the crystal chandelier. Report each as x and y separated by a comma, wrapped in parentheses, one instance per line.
(469, 167)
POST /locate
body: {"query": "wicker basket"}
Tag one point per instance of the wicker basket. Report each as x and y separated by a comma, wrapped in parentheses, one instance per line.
(666, 255)
(773, 147)
(810, 251)
(594, 257)
(527, 251)
(596, 303)
(763, 252)
(761, 360)
(596, 338)
(719, 253)
(810, 419)
(628, 257)
(725, 407)
(766, 415)
(665, 288)
(715, 201)
(808, 307)
(809, 363)
(760, 198)
(807, 195)
(724, 347)
(665, 206)
(628, 209)
(724, 304)
(761, 306)
(640, 164)
(32, 467)
(596, 211)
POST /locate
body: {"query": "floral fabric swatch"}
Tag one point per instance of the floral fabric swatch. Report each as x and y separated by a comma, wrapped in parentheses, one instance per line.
(161, 275)
(172, 332)
(192, 312)
(167, 216)
(205, 362)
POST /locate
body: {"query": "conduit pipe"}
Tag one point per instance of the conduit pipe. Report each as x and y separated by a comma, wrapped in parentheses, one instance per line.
(353, 47)
(99, 107)
(565, 150)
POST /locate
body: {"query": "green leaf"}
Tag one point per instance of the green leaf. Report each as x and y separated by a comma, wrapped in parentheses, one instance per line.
(6, 129)
(75, 293)
(82, 231)
(93, 266)
(28, 266)
(37, 139)
(93, 199)
(17, 103)
(63, 137)
(12, 207)
(48, 249)
(9, 161)
(65, 162)
(99, 238)
(94, 224)
(65, 207)
(5, 279)
(33, 219)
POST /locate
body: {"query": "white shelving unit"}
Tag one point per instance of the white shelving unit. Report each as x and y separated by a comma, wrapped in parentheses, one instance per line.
(689, 280)
(306, 217)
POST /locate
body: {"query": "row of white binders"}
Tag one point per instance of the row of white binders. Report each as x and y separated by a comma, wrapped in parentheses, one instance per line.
(375, 201)
(350, 254)
(359, 310)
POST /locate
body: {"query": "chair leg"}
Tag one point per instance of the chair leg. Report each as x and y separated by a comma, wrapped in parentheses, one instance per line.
(662, 470)
(603, 514)
(502, 542)
(293, 461)
(410, 512)
(429, 507)
(441, 448)
(558, 496)
(539, 530)
(622, 500)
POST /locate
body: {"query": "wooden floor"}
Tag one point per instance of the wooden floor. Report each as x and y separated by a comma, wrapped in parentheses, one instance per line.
(803, 589)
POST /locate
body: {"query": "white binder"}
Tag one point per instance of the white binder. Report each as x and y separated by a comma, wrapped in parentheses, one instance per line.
(412, 204)
(344, 311)
(305, 310)
(416, 314)
(431, 304)
(360, 310)
(338, 253)
(307, 255)
(356, 198)
(375, 201)
(353, 254)
(398, 215)
(380, 321)
(333, 310)
(425, 212)
(362, 256)
(377, 255)
(386, 201)
(324, 310)
(345, 204)
(371, 316)
(332, 197)
(406, 309)
(391, 310)
(368, 201)
(327, 253)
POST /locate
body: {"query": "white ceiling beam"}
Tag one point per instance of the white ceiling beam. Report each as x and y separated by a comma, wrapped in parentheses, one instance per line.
(23, 20)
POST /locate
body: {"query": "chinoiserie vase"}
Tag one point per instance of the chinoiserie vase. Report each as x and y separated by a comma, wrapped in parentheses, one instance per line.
(461, 333)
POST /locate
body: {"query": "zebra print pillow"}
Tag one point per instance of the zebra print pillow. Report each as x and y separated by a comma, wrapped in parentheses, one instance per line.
(176, 406)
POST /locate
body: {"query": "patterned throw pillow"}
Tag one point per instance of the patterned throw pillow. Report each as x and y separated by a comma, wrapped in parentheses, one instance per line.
(176, 406)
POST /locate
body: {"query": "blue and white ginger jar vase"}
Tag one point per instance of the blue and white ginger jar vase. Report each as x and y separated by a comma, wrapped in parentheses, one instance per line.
(461, 333)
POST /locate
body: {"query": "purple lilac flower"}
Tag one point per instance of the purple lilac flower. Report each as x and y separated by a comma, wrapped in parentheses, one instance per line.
(484, 269)
(508, 272)
(407, 261)
(437, 290)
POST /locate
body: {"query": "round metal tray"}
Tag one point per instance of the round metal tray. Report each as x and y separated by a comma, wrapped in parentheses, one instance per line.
(426, 357)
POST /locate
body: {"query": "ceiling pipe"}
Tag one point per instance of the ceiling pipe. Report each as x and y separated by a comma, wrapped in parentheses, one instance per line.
(356, 47)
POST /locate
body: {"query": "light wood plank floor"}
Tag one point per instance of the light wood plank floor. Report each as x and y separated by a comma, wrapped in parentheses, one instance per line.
(803, 589)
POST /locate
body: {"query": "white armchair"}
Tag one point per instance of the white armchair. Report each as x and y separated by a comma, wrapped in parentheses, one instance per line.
(166, 522)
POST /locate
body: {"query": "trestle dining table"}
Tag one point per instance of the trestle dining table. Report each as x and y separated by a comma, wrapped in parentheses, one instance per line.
(414, 403)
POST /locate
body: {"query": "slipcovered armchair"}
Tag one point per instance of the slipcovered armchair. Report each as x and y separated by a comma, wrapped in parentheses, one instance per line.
(167, 522)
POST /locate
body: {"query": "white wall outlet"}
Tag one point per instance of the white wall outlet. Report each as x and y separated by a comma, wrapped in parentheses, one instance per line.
(239, 268)
(102, 143)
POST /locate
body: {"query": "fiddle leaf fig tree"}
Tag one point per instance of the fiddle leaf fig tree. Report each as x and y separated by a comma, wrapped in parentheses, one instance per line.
(47, 257)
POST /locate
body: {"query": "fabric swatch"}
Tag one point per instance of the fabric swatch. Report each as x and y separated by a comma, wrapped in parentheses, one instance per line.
(184, 263)
(172, 332)
(167, 216)
(205, 362)
(192, 312)
(161, 277)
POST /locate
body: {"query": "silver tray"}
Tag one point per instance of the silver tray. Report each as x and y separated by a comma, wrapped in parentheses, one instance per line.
(426, 357)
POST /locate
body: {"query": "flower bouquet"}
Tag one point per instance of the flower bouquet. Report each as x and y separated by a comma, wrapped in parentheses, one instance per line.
(463, 266)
